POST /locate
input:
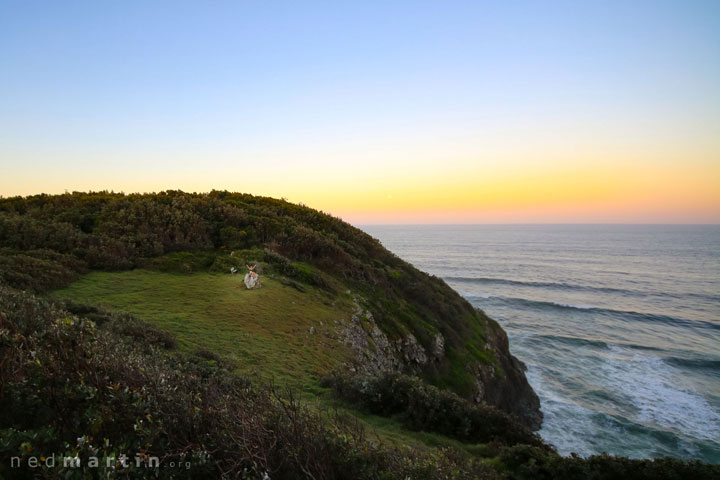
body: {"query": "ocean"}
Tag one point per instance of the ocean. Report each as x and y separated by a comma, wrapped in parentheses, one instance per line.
(619, 326)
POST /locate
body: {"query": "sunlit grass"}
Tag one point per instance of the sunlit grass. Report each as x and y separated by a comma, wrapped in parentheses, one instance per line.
(264, 331)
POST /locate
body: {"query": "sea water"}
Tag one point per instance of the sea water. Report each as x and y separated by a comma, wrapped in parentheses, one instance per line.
(619, 326)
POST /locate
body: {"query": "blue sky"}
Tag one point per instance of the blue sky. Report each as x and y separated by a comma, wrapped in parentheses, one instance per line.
(194, 95)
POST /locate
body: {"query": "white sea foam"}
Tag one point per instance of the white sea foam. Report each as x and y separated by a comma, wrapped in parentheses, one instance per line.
(566, 424)
(579, 307)
(657, 391)
(649, 392)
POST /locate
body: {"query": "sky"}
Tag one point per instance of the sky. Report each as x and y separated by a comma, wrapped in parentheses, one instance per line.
(376, 112)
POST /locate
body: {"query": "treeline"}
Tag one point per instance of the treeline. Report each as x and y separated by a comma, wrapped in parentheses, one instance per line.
(113, 231)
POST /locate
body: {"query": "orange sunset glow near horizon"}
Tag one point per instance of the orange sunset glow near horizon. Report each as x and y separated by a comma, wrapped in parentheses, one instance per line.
(412, 113)
(473, 192)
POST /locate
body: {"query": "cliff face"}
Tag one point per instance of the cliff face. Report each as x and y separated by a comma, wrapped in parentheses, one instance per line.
(501, 383)
(507, 387)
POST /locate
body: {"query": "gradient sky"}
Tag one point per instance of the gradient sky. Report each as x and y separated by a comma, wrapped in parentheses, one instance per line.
(378, 112)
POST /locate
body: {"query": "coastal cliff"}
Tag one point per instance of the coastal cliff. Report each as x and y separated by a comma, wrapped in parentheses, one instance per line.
(500, 383)
(403, 320)
(507, 387)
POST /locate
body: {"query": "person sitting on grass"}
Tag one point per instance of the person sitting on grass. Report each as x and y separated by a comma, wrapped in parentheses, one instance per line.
(252, 280)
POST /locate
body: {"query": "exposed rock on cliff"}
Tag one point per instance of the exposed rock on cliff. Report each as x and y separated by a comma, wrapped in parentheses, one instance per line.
(375, 352)
(501, 383)
(504, 384)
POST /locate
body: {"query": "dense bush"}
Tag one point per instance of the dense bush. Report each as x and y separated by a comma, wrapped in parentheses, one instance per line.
(24, 232)
(38, 270)
(424, 407)
(532, 463)
(70, 387)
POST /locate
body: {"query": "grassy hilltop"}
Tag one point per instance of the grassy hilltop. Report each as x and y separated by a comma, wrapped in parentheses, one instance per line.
(423, 326)
(123, 331)
(262, 332)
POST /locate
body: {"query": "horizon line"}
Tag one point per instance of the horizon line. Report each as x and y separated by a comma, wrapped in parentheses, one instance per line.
(534, 224)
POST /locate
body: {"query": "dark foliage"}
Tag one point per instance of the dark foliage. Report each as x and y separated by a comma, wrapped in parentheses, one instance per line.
(38, 270)
(533, 463)
(424, 407)
(71, 388)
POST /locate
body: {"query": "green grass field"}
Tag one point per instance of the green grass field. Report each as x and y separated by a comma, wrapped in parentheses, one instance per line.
(264, 331)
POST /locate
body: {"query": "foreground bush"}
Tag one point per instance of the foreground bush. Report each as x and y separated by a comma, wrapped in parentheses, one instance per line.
(72, 388)
(38, 270)
(424, 407)
(527, 462)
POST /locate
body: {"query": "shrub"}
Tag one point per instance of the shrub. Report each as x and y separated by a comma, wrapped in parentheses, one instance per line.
(129, 326)
(424, 407)
(529, 462)
(38, 270)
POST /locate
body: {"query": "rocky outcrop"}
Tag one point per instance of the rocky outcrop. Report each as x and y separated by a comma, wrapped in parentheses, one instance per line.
(501, 384)
(374, 351)
(504, 384)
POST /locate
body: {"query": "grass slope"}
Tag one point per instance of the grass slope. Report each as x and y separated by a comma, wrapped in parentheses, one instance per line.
(264, 331)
